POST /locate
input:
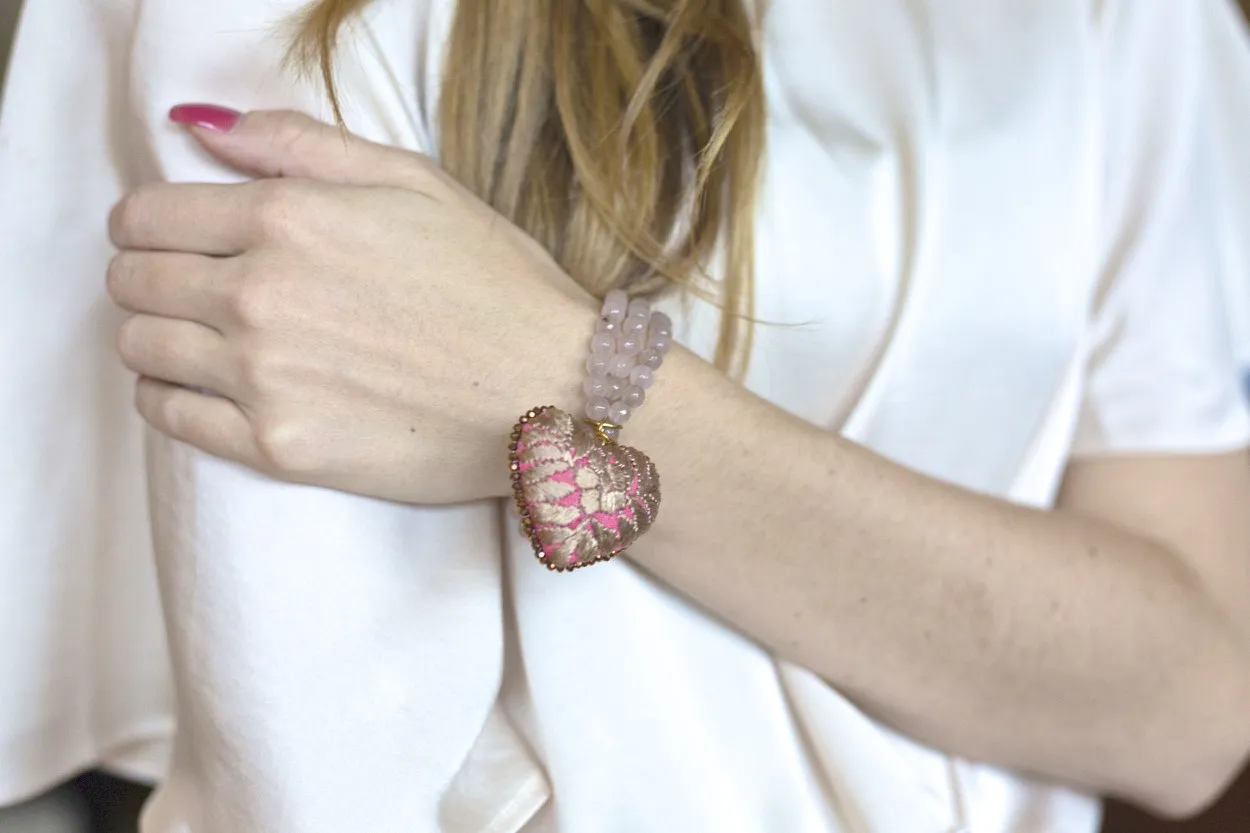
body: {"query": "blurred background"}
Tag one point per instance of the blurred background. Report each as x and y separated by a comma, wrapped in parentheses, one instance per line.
(97, 803)
(8, 14)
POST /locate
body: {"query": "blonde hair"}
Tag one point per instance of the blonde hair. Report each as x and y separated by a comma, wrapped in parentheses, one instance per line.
(625, 136)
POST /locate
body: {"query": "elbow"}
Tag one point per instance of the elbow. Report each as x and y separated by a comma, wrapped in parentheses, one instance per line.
(1203, 748)
(1191, 795)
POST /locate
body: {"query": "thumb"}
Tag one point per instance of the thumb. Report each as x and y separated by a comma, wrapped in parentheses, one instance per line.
(283, 143)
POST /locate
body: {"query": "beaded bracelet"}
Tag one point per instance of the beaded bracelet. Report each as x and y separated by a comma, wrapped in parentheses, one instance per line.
(583, 497)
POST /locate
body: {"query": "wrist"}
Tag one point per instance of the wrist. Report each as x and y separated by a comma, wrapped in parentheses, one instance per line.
(545, 369)
(584, 493)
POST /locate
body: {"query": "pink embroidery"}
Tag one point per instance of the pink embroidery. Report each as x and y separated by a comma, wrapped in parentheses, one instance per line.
(583, 501)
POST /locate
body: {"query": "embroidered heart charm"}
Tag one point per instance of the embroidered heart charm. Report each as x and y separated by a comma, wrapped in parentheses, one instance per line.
(582, 499)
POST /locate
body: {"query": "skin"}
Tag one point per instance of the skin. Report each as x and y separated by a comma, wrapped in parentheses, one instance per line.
(368, 323)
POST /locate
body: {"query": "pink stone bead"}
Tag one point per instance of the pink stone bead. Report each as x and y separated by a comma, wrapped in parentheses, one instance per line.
(615, 305)
(636, 324)
(598, 410)
(641, 376)
(629, 345)
(618, 412)
(620, 366)
(602, 343)
(599, 387)
(597, 364)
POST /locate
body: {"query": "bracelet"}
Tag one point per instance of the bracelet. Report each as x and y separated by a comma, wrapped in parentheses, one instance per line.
(583, 497)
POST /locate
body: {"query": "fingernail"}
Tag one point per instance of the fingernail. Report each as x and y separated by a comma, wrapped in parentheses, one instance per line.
(208, 116)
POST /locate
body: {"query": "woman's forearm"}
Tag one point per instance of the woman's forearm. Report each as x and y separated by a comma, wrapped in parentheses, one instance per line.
(1041, 641)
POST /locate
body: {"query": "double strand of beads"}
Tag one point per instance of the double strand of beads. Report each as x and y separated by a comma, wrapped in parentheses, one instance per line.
(628, 346)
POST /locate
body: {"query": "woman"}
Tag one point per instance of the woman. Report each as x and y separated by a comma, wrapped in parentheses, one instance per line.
(967, 547)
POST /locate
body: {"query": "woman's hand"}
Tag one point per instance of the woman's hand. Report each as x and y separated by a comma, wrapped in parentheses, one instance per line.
(362, 321)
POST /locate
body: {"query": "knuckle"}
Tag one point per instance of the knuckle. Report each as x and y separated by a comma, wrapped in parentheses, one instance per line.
(287, 446)
(128, 340)
(288, 128)
(173, 416)
(299, 135)
(126, 218)
(145, 348)
(261, 370)
(256, 302)
(118, 277)
(160, 409)
(279, 209)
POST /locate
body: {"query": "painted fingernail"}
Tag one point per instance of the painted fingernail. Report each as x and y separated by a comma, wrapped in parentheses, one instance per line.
(208, 116)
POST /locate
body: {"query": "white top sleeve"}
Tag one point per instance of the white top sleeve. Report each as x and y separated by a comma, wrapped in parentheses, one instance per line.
(1162, 377)
(1232, 57)
(336, 660)
(85, 677)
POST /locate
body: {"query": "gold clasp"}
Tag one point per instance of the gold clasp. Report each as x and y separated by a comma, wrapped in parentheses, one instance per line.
(606, 431)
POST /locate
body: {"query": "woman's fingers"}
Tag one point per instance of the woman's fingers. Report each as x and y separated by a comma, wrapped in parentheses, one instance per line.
(192, 287)
(299, 157)
(203, 219)
(286, 144)
(179, 352)
(212, 424)
(218, 220)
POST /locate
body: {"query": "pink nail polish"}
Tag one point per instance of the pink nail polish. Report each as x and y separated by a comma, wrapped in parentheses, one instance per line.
(208, 116)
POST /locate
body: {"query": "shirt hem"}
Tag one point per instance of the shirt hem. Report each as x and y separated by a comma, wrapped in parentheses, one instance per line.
(140, 753)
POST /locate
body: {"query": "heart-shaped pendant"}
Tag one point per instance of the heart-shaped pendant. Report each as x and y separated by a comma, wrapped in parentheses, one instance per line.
(583, 498)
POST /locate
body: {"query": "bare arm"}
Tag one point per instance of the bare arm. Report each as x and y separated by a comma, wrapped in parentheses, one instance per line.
(1106, 643)
(1103, 644)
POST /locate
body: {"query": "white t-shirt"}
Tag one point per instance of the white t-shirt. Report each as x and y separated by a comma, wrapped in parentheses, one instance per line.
(989, 236)
(1231, 65)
